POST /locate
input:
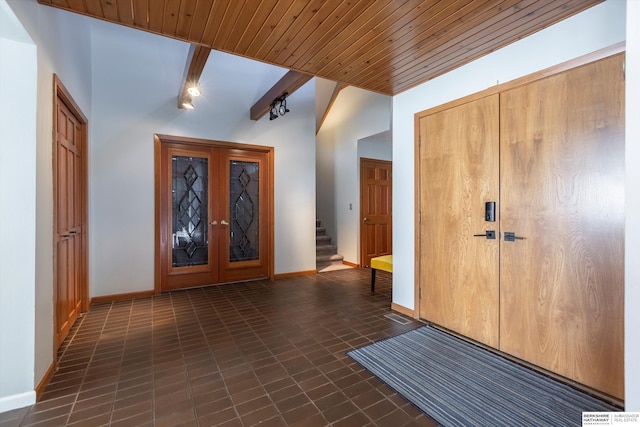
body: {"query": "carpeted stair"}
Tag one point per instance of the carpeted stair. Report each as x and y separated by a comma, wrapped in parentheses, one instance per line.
(327, 256)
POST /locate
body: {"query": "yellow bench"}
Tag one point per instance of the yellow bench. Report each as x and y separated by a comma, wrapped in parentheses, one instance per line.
(384, 263)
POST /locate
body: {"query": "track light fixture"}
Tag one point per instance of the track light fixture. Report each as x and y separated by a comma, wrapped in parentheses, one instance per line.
(186, 103)
(278, 107)
(193, 90)
(186, 99)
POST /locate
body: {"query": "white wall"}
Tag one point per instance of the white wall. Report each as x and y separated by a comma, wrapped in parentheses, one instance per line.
(293, 137)
(326, 181)
(632, 227)
(324, 92)
(18, 78)
(355, 114)
(136, 80)
(63, 47)
(596, 28)
(376, 146)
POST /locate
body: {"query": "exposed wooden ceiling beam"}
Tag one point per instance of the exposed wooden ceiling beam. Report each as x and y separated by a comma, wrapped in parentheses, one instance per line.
(334, 95)
(196, 61)
(289, 83)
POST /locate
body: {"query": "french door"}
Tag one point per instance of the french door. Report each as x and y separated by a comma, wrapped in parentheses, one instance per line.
(213, 213)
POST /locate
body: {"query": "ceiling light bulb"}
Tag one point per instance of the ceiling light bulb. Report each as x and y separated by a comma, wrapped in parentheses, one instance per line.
(194, 91)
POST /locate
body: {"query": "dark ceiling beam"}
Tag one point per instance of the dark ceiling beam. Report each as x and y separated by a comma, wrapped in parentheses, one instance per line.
(339, 86)
(196, 61)
(288, 84)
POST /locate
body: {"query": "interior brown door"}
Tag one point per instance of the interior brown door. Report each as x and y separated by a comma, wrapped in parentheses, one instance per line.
(562, 193)
(375, 209)
(214, 215)
(70, 217)
(458, 175)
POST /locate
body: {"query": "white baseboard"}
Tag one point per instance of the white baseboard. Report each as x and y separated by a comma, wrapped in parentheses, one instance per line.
(15, 401)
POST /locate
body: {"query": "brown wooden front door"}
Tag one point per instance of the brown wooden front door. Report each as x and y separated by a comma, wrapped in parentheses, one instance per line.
(562, 191)
(459, 174)
(375, 209)
(70, 286)
(549, 289)
(214, 210)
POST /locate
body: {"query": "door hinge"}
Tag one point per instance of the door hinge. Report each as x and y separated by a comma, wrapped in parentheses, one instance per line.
(420, 293)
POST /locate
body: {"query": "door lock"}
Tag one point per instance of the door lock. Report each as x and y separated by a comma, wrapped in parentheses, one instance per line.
(490, 211)
(489, 234)
(510, 236)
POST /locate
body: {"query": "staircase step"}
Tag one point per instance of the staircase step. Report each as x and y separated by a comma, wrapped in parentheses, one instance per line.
(325, 261)
(326, 253)
(329, 258)
(323, 240)
(326, 250)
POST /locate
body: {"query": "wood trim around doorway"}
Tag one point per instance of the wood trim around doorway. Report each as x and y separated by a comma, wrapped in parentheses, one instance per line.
(159, 139)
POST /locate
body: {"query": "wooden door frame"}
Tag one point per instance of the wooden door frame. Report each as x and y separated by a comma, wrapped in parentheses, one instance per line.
(556, 69)
(159, 139)
(360, 219)
(62, 95)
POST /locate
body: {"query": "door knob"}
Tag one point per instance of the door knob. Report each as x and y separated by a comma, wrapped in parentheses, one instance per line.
(365, 219)
(223, 222)
(489, 234)
(214, 222)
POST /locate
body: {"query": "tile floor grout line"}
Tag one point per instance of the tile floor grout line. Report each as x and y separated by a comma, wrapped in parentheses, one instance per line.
(277, 347)
(175, 315)
(93, 353)
(122, 359)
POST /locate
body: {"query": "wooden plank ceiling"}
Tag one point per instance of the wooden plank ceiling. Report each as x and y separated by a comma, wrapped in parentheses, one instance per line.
(386, 46)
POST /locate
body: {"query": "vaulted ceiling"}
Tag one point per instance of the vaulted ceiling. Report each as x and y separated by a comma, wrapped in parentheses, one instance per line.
(386, 46)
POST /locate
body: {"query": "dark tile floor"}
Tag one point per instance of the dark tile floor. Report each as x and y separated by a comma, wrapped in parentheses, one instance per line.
(267, 353)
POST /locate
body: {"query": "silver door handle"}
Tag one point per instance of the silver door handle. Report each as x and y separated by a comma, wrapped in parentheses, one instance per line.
(510, 236)
(214, 222)
(223, 222)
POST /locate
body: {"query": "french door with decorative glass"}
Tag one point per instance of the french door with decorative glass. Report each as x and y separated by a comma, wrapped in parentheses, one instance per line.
(213, 213)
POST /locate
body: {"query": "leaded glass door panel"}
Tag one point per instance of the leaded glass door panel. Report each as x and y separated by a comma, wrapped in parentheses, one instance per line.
(242, 252)
(213, 214)
(189, 194)
(189, 211)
